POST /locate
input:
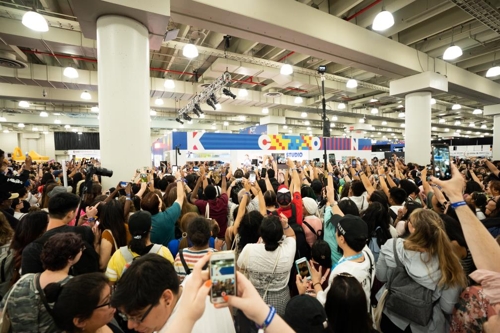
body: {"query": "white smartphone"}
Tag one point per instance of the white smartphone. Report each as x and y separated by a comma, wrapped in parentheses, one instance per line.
(223, 276)
(303, 268)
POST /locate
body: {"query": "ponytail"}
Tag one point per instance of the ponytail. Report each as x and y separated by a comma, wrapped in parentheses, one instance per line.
(138, 243)
(184, 243)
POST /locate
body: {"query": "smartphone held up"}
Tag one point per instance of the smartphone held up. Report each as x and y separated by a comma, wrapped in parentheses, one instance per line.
(223, 276)
(441, 161)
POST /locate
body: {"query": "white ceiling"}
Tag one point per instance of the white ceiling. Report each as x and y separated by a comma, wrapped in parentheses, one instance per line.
(425, 25)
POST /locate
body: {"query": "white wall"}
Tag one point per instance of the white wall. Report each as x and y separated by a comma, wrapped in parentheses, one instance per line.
(8, 141)
(41, 143)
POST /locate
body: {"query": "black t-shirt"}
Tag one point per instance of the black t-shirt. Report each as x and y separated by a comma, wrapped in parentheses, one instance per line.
(88, 263)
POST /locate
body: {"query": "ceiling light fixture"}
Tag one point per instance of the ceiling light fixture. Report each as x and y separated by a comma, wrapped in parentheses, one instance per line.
(484, 126)
(190, 51)
(20, 125)
(403, 125)
(303, 114)
(243, 93)
(362, 120)
(373, 100)
(286, 69)
(285, 126)
(3, 119)
(471, 124)
(374, 111)
(433, 101)
(384, 123)
(85, 95)
(57, 121)
(493, 71)
(70, 72)
(6, 131)
(335, 118)
(307, 123)
(152, 113)
(401, 115)
(442, 120)
(383, 21)
(94, 109)
(44, 114)
(458, 123)
(298, 100)
(158, 101)
(452, 52)
(35, 21)
(477, 111)
(341, 106)
(351, 84)
(169, 84)
(67, 126)
(265, 110)
(434, 128)
(456, 107)
(226, 123)
(24, 104)
(242, 118)
(446, 129)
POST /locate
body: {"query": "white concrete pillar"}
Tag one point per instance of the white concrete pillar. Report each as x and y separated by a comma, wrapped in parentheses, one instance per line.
(418, 127)
(272, 129)
(496, 137)
(124, 87)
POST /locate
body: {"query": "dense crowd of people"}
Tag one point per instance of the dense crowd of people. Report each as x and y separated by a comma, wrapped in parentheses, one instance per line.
(375, 245)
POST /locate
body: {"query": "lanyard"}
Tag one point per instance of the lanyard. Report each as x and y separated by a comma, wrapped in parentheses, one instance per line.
(354, 257)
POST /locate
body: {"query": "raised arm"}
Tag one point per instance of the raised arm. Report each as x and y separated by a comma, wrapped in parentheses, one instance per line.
(492, 167)
(180, 189)
(391, 182)
(474, 177)
(383, 177)
(194, 194)
(330, 193)
(427, 187)
(481, 243)
(366, 182)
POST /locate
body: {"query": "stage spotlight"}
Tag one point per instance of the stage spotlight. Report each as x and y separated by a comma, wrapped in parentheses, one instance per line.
(186, 117)
(197, 107)
(196, 112)
(228, 93)
(214, 99)
(179, 121)
(211, 103)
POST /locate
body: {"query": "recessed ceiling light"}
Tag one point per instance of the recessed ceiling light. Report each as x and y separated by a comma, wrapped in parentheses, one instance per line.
(373, 100)
(434, 128)
(169, 84)
(226, 123)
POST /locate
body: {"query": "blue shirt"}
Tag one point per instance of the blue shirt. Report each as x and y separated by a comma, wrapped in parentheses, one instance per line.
(173, 246)
(330, 231)
(163, 225)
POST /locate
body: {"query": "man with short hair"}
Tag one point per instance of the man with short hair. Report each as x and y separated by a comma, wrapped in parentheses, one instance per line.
(62, 210)
(148, 294)
(397, 197)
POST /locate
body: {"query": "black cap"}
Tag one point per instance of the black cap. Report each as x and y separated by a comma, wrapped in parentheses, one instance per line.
(305, 314)
(353, 228)
(139, 224)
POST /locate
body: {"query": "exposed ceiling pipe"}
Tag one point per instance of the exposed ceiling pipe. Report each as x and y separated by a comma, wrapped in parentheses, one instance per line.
(286, 56)
(155, 69)
(361, 11)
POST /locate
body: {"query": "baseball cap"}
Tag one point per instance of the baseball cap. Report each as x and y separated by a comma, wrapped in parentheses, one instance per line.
(8, 196)
(353, 228)
(283, 197)
(305, 314)
(57, 190)
(139, 224)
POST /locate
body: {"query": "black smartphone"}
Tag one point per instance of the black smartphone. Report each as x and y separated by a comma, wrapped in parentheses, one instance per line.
(441, 161)
(263, 173)
(353, 163)
(332, 159)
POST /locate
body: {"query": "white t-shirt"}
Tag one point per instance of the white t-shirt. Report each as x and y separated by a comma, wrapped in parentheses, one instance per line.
(360, 270)
(361, 201)
(212, 320)
(260, 263)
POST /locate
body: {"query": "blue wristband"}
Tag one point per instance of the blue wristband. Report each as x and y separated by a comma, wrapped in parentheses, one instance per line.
(269, 319)
(458, 204)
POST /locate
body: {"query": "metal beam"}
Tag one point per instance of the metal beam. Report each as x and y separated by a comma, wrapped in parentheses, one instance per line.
(366, 19)
(341, 7)
(350, 45)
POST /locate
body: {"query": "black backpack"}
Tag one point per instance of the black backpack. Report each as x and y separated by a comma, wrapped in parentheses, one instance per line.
(235, 190)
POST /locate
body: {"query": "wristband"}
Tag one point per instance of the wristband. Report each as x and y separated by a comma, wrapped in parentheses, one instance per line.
(179, 180)
(223, 174)
(287, 227)
(330, 174)
(128, 199)
(91, 219)
(127, 195)
(458, 204)
(304, 178)
(269, 319)
(314, 284)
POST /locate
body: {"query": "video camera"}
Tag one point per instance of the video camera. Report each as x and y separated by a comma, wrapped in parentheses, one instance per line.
(90, 172)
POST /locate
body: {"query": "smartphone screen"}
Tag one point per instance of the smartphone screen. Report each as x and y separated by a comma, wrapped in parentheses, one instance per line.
(196, 169)
(144, 177)
(353, 163)
(123, 184)
(263, 173)
(441, 161)
(223, 276)
(174, 168)
(252, 177)
(303, 268)
(332, 159)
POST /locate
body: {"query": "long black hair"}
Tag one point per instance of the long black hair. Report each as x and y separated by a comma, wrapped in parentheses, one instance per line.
(112, 218)
(249, 229)
(377, 218)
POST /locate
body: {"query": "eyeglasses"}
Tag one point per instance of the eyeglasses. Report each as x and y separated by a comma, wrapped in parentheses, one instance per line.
(135, 319)
(108, 303)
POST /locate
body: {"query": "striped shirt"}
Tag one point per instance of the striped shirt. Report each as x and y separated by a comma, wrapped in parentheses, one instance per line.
(191, 257)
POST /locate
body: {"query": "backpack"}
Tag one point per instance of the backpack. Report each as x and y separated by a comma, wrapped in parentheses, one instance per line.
(406, 297)
(6, 271)
(129, 258)
(373, 246)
